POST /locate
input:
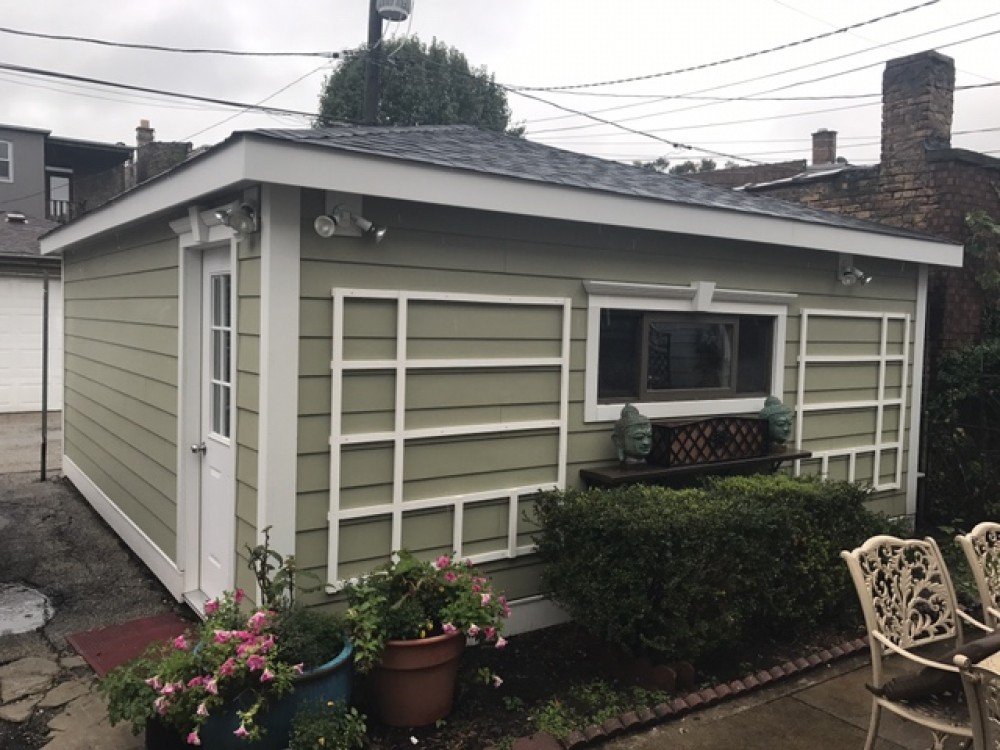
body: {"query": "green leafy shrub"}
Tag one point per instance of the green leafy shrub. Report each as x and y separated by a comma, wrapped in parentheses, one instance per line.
(680, 573)
(330, 726)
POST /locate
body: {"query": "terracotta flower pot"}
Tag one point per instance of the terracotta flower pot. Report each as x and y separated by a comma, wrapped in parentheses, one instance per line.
(414, 684)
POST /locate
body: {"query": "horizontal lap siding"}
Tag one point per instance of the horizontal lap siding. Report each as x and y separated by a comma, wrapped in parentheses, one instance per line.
(121, 376)
(247, 404)
(498, 255)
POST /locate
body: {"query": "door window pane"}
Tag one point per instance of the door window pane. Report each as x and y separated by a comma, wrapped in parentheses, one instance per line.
(220, 352)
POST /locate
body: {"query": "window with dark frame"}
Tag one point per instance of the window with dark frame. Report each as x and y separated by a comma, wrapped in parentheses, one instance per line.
(5, 162)
(649, 356)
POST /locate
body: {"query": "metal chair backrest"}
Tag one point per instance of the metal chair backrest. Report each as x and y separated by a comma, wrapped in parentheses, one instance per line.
(905, 592)
(982, 693)
(982, 550)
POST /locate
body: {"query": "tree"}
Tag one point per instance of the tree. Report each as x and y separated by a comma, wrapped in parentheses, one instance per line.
(421, 85)
(662, 164)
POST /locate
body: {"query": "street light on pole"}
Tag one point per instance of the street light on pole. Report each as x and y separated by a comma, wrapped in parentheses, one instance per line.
(379, 10)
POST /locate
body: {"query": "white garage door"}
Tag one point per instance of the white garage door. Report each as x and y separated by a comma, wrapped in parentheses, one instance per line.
(21, 344)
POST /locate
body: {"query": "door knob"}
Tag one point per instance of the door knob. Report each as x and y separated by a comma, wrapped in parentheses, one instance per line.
(199, 448)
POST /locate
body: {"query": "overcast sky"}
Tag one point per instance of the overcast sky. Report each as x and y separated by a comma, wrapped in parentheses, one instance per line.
(536, 43)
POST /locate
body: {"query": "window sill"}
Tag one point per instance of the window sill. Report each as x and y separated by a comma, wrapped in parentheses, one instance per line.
(664, 409)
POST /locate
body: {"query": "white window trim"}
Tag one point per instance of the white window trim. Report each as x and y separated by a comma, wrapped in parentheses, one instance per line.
(699, 297)
(400, 435)
(10, 162)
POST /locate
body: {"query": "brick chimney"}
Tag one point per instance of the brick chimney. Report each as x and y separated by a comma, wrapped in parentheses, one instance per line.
(918, 93)
(824, 147)
(144, 135)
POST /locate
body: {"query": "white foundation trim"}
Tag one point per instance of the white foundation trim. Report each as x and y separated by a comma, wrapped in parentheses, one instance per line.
(155, 559)
(534, 613)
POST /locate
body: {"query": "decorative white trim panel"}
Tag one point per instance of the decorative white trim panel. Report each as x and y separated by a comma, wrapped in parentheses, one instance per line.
(399, 437)
(533, 613)
(878, 447)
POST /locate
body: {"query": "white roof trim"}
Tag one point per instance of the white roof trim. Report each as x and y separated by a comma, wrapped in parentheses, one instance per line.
(255, 159)
(666, 291)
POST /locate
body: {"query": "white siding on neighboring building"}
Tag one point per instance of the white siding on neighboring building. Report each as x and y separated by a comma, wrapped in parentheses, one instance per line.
(21, 344)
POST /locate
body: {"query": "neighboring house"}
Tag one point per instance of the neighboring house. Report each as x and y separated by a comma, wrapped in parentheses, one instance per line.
(921, 183)
(42, 175)
(232, 369)
(22, 291)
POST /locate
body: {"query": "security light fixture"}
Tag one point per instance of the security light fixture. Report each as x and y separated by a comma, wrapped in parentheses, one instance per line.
(326, 224)
(851, 275)
(242, 219)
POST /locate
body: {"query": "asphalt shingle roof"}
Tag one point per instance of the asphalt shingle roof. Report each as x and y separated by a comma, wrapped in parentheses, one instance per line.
(469, 148)
(22, 239)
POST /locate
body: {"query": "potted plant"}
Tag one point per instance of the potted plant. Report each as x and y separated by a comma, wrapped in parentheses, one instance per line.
(409, 621)
(237, 681)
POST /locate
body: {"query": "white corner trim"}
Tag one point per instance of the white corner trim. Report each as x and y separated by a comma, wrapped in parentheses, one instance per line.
(155, 558)
(277, 438)
(533, 613)
(916, 392)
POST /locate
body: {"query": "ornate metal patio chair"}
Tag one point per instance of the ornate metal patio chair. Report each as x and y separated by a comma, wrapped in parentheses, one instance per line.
(909, 602)
(982, 690)
(982, 550)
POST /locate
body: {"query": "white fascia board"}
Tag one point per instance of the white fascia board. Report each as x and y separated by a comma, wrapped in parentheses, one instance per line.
(218, 170)
(352, 173)
(257, 159)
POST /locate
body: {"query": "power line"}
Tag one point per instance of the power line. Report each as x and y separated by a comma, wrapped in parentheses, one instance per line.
(777, 88)
(160, 92)
(613, 124)
(737, 58)
(160, 48)
(777, 73)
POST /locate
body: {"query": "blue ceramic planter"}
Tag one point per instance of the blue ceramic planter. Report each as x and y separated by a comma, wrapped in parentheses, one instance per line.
(330, 682)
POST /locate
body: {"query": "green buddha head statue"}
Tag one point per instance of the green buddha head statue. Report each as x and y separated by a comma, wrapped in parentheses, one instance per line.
(632, 436)
(779, 420)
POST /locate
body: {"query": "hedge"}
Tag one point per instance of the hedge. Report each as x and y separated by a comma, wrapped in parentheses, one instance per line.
(676, 574)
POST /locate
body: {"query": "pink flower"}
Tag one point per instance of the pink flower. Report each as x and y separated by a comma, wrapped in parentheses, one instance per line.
(486, 598)
(497, 681)
(473, 630)
(228, 668)
(257, 621)
(450, 576)
(196, 682)
(154, 682)
(223, 636)
(476, 588)
(491, 633)
(448, 628)
(501, 642)
(212, 686)
(161, 704)
(442, 562)
(267, 644)
(168, 689)
(193, 739)
(297, 668)
(180, 643)
(267, 675)
(239, 596)
(242, 731)
(255, 662)
(202, 709)
(211, 606)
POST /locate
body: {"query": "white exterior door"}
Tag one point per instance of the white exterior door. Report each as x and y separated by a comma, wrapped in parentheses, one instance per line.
(217, 526)
(21, 344)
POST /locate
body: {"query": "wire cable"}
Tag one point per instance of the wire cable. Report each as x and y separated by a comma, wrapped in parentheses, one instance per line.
(161, 48)
(738, 58)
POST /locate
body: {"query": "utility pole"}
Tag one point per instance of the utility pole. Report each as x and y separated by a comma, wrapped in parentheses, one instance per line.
(373, 65)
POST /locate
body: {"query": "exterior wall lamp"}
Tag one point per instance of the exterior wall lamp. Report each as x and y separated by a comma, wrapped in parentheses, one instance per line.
(849, 274)
(340, 218)
(243, 218)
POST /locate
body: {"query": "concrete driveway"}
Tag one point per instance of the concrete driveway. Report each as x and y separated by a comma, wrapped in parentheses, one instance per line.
(21, 443)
